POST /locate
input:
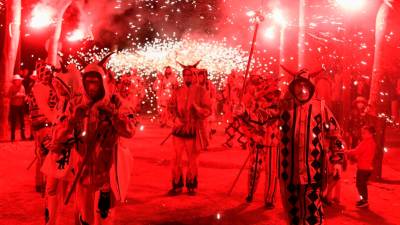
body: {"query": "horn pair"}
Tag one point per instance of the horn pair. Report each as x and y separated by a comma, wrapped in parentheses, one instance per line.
(294, 74)
(63, 64)
(189, 66)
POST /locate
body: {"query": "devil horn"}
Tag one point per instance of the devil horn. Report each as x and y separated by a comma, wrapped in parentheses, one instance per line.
(288, 71)
(104, 60)
(196, 64)
(312, 75)
(183, 66)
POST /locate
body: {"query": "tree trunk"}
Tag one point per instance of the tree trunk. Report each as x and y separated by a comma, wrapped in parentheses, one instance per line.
(8, 57)
(55, 37)
(386, 57)
(385, 70)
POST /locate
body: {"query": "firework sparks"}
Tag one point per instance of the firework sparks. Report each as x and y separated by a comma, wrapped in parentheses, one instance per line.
(217, 57)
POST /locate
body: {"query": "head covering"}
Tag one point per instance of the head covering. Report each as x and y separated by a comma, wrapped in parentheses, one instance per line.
(307, 84)
(97, 70)
(17, 77)
(303, 77)
(94, 70)
(360, 99)
(269, 86)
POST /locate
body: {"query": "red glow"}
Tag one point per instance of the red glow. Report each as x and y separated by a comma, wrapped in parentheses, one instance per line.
(352, 5)
(42, 16)
(278, 17)
(77, 35)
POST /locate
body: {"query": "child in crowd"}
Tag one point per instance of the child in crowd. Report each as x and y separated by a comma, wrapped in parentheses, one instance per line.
(364, 154)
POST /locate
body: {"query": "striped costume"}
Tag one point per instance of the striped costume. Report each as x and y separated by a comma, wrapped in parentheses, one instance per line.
(306, 131)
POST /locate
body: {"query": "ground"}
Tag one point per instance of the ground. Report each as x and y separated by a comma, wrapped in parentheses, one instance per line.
(147, 202)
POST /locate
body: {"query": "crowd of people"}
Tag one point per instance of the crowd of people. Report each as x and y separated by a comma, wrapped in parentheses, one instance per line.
(80, 120)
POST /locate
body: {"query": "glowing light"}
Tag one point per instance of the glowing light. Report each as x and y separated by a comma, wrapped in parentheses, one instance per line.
(42, 16)
(77, 35)
(385, 149)
(83, 133)
(251, 13)
(141, 128)
(351, 5)
(218, 216)
(269, 33)
(278, 17)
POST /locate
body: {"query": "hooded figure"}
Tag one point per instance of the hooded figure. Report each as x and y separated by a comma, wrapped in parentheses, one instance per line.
(97, 122)
(190, 106)
(308, 132)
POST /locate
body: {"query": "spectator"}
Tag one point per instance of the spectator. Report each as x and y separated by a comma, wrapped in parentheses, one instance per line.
(16, 93)
(364, 154)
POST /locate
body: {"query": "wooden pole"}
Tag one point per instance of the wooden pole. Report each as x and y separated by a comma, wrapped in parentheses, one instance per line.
(253, 43)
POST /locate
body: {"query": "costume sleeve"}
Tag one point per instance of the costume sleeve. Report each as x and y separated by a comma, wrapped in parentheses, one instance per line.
(333, 136)
(204, 109)
(124, 121)
(62, 136)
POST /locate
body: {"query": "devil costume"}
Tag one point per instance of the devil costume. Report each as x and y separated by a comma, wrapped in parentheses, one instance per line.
(190, 105)
(307, 128)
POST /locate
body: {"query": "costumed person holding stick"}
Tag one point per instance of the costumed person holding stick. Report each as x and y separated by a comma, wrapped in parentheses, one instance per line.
(190, 105)
(57, 166)
(261, 128)
(99, 120)
(307, 128)
(42, 102)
